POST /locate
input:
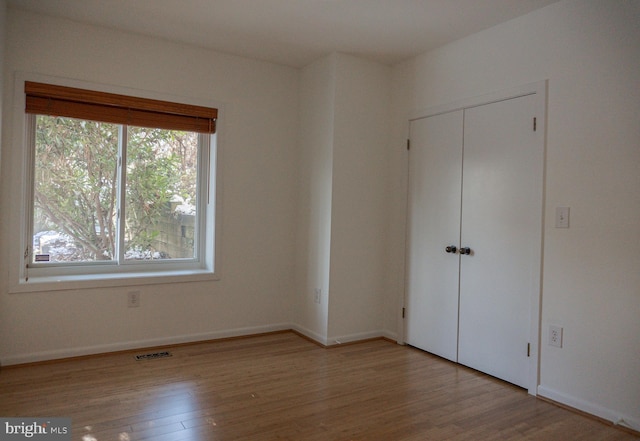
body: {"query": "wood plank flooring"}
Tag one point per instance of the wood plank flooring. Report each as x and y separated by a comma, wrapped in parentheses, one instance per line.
(283, 387)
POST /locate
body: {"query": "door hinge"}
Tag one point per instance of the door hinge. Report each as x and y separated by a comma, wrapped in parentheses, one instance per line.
(408, 144)
(528, 349)
(535, 123)
(402, 312)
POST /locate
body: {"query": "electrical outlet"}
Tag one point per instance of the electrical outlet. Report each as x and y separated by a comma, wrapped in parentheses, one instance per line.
(317, 294)
(133, 299)
(555, 336)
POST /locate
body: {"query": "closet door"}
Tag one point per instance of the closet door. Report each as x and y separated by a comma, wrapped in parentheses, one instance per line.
(501, 224)
(435, 176)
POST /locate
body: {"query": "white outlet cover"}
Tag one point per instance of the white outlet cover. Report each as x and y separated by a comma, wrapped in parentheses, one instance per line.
(555, 336)
(133, 299)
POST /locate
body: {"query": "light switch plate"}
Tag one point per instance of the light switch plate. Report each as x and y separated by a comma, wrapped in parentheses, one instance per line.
(562, 217)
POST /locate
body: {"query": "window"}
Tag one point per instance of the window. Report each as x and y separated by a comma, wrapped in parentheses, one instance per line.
(117, 184)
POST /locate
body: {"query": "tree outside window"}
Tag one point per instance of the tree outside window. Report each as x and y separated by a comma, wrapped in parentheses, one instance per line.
(76, 190)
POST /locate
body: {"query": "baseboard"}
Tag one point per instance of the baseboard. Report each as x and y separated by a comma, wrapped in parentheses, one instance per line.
(309, 334)
(139, 344)
(391, 336)
(58, 354)
(352, 338)
(616, 418)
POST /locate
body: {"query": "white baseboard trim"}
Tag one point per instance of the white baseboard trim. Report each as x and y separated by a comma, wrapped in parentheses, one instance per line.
(356, 337)
(393, 336)
(139, 344)
(310, 334)
(344, 339)
(57, 354)
(617, 418)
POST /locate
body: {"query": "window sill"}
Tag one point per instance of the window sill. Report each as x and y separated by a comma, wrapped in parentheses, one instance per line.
(59, 283)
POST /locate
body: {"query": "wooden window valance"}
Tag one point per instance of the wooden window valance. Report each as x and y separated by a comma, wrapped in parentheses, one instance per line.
(53, 100)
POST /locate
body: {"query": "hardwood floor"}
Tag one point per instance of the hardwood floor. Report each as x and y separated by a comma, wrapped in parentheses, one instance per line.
(283, 387)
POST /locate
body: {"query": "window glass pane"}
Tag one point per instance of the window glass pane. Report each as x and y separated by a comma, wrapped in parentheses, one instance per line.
(75, 196)
(160, 200)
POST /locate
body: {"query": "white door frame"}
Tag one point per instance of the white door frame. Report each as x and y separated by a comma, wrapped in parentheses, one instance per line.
(539, 89)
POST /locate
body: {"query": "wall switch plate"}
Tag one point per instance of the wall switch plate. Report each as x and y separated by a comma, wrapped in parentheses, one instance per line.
(555, 336)
(562, 217)
(317, 294)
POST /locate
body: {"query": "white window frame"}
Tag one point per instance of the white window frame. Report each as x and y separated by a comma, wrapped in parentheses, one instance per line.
(26, 276)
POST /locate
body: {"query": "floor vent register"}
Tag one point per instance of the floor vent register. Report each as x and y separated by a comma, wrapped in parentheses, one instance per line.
(153, 355)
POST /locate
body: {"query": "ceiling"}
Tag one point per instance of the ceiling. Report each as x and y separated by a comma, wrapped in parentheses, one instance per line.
(296, 32)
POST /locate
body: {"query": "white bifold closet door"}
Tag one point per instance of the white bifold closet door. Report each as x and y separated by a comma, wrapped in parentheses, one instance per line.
(435, 185)
(474, 235)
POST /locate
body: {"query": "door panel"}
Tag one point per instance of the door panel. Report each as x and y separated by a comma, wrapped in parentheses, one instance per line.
(501, 223)
(435, 175)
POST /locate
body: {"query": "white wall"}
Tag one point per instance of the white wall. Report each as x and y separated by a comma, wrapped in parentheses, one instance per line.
(589, 50)
(360, 197)
(317, 107)
(258, 162)
(343, 198)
